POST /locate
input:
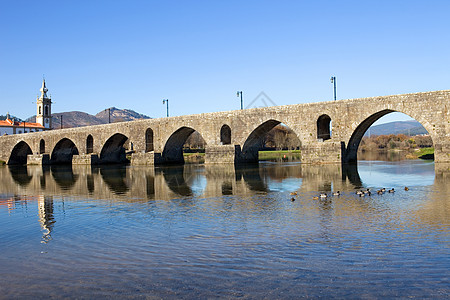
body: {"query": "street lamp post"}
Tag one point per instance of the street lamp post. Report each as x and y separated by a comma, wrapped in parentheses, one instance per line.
(239, 93)
(166, 101)
(333, 80)
(109, 115)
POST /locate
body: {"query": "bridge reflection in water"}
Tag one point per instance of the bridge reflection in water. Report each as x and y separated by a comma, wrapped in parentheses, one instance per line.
(165, 183)
(171, 182)
(183, 220)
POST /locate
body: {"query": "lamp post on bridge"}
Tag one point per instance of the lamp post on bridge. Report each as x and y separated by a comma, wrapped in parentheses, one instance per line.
(164, 102)
(109, 114)
(239, 93)
(333, 80)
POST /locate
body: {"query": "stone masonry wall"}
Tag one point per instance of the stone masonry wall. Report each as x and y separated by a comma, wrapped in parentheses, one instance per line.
(349, 119)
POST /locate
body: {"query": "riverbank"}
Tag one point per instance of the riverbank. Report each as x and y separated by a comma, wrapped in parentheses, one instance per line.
(262, 155)
(279, 154)
(423, 153)
(396, 154)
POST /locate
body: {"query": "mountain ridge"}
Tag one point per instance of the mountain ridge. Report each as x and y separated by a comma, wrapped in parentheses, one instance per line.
(79, 119)
(411, 127)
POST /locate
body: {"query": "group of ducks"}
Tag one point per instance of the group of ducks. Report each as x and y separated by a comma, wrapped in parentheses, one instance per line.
(367, 192)
(360, 193)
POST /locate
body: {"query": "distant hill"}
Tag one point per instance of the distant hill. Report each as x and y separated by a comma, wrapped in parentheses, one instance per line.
(79, 119)
(399, 127)
(120, 115)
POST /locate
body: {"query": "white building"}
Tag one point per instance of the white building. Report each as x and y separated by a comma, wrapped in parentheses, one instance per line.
(43, 117)
(9, 126)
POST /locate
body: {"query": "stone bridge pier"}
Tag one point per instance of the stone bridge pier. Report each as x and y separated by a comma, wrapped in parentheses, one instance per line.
(328, 132)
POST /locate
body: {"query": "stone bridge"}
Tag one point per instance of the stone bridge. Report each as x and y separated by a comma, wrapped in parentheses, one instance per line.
(328, 131)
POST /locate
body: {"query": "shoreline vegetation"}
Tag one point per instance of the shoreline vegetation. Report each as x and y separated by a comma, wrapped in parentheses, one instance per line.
(419, 146)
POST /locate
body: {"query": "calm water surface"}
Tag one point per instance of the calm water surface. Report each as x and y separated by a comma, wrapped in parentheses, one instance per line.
(223, 232)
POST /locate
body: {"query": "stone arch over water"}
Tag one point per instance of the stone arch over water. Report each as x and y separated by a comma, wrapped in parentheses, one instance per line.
(350, 152)
(256, 140)
(63, 152)
(19, 154)
(113, 151)
(173, 149)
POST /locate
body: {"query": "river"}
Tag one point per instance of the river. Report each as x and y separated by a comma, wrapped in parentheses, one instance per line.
(201, 231)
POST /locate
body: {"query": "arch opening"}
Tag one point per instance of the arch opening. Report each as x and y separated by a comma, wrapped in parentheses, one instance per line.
(225, 135)
(63, 152)
(324, 128)
(89, 144)
(41, 146)
(395, 137)
(270, 136)
(115, 150)
(184, 140)
(19, 154)
(149, 140)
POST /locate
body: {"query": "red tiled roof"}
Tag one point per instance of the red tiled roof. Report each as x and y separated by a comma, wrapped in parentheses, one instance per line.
(10, 123)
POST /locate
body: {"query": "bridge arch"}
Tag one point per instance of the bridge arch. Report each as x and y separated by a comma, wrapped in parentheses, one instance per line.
(173, 149)
(63, 152)
(324, 127)
(225, 135)
(255, 141)
(42, 146)
(149, 140)
(351, 150)
(89, 144)
(113, 150)
(19, 154)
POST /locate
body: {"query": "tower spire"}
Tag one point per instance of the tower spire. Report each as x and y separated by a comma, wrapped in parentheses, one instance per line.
(43, 89)
(44, 108)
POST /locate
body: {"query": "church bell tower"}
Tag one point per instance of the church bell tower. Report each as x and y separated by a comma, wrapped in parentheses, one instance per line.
(44, 108)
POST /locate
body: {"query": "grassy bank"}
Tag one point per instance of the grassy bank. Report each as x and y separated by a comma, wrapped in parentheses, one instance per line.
(277, 154)
(2, 162)
(424, 153)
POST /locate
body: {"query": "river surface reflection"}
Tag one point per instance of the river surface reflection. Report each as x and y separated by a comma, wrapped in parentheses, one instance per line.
(202, 231)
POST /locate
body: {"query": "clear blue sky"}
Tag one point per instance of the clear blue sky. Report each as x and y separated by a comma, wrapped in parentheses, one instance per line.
(133, 54)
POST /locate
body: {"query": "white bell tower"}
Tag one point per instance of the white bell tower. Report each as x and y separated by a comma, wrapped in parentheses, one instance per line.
(44, 108)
